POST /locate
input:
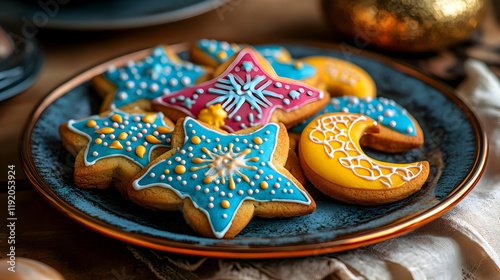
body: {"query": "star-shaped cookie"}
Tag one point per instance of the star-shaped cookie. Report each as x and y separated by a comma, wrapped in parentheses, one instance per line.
(110, 149)
(213, 53)
(138, 82)
(220, 181)
(249, 91)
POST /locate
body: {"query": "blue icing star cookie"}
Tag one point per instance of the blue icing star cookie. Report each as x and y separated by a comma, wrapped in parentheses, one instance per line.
(132, 136)
(219, 171)
(154, 76)
(383, 110)
(220, 51)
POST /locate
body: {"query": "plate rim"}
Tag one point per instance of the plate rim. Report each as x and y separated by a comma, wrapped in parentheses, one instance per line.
(258, 252)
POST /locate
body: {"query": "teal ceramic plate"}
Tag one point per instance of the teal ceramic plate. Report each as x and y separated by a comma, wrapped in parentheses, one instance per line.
(455, 145)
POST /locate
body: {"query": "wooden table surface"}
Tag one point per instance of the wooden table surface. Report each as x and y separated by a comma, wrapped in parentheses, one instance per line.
(44, 234)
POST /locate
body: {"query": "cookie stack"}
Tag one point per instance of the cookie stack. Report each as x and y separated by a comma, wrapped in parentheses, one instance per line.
(217, 137)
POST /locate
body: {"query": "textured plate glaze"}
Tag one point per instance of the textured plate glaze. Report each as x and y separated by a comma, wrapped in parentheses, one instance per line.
(455, 145)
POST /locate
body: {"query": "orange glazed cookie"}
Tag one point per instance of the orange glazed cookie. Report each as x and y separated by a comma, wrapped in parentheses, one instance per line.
(220, 181)
(341, 77)
(249, 91)
(112, 148)
(138, 82)
(334, 162)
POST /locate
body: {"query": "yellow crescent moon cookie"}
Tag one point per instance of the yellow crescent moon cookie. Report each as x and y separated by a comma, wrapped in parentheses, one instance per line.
(341, 77)
(334, 162)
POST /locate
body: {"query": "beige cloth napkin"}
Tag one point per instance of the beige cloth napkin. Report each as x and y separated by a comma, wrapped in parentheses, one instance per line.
(463, 244)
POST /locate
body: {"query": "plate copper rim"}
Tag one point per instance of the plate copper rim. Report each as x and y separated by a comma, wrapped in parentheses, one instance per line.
(240, 251)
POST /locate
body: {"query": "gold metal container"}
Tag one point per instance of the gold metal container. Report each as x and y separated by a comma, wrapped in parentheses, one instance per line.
(404, 25)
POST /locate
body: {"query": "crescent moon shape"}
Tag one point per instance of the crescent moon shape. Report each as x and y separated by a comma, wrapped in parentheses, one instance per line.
(332, 159)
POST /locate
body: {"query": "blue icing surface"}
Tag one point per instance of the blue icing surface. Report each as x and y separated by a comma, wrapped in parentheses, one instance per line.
(124, 134)
(150, 78)
(383, 110)
(246, 169)
(293, 70)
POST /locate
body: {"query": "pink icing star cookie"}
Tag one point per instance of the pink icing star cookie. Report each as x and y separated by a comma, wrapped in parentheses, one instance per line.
(249, 91)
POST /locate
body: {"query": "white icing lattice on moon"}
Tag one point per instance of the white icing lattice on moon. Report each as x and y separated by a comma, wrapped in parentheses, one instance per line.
(335, 132)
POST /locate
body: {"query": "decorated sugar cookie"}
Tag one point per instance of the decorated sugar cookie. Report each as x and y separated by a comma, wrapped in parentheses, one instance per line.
(341, 77)
(399, 131)
(112, 148)
(250, 94)
(334, 162)
(213, 53)
(220, 181)
(138, 82)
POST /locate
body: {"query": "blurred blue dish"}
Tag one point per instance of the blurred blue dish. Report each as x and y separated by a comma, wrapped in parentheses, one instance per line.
(100, 15)
(20, 64)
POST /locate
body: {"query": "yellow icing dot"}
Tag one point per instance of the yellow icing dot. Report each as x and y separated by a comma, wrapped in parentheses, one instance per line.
(116, 145)
(264, 185)
(166, 171)
(151, 139)
(163, 130)
(197, 160)
(225, 204)
(213, 115)
(207, 180)
(235, 47)
(140, 151)
(149, 118)
(254, 159)
(98, 141)
(195, 140)
(123, 136)
(222, 54)
(258, 140)
(106, 130)
(91, 123)
(116, 118)
(298, 65)
(180, 169)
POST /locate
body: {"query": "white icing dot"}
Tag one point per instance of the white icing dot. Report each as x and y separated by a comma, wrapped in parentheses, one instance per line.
(290, 191)
(277, 185)
(173, 82)
(198, 187)
(152, 175)
(137, 118)
(284, 190)
(392, 123)
(238, 180)
(206, 190)
(183, 162)
(380, 107)
(229, 195)
(128, 149)
(256, 147)
(224, 216)
(210, 205)
(250, 192)
(250, 145)
(194, 176)
(245, 141)
(169, 178)
(272, 192)
(222, 193)
(237, 139)
(268, 132)
(263, 164)
(252, 184)
(217, 139)
(279, 179)
(389, 113)
(156, 133)
(208, 141)
(178, 178)
(211, 199)
(217, 181)
(409, 129)
(260, 171)
(184, 183)
(380, 118)
(190, 155)
(162, 176)
(287, 184)
(240, 192)
(96, 127)
(169, 162)
(237, 149)
(122, 126)
(193, 131)
(186, 81)
(261, 151)
(216, 189)
(257, 191)
(256, 177)
(129, 84)
(144, 131)
(95, 154)
(105, 143)
(147, 125)
(163, 136)
(133, 138)
(177, 159)
(139, 135)
(183, 151)
(139, 125)
(122, 95)
(202, 137)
